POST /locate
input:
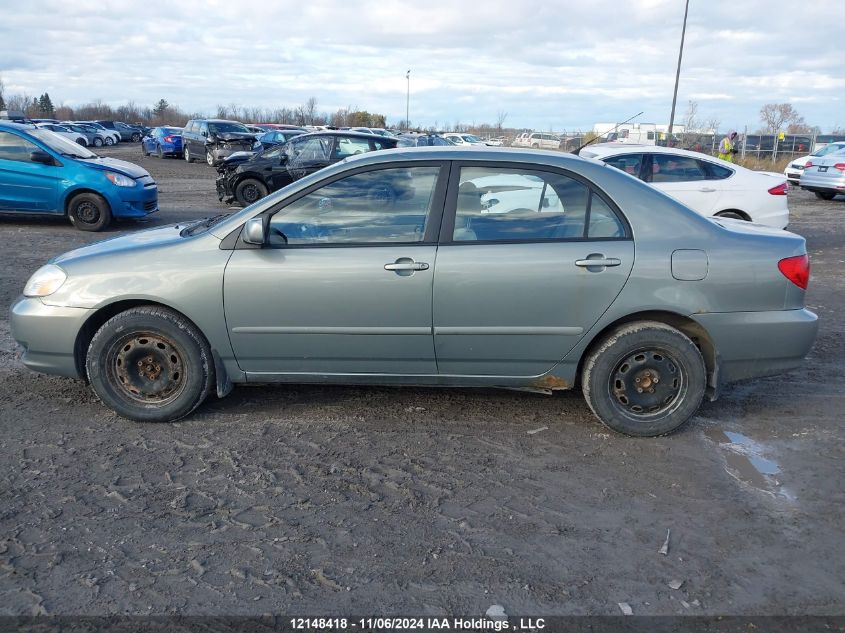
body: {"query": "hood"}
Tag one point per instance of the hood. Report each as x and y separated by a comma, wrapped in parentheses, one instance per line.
(139, 240)
(232, 136)
(115, 164)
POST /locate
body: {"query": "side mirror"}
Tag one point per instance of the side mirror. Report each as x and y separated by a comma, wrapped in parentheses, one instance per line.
(254, 231)
(39, 156)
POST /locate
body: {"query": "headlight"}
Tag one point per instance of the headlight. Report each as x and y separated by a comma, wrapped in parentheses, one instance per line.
(45, 281)
(120, 180)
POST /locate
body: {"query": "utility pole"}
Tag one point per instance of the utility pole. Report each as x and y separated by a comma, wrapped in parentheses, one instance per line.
(678, 74)
(408, 101)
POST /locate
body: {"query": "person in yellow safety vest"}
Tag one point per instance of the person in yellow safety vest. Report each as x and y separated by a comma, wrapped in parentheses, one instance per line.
(726, 147)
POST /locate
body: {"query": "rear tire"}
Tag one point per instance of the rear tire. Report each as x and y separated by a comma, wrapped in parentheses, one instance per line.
(187, 155)
(89, 212)
(136, 137)
(825, 195)
(98, 142)
(109, 141)
(159, 153)
(209, 158)
(250, 190)
(150, 364)
(644, 379)
(735, 215)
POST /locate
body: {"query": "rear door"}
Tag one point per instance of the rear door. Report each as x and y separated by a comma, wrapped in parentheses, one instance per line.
(516, 289)
(24, 184)
(685, 179)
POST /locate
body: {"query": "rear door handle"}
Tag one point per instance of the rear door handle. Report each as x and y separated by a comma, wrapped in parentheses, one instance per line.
(406, 266)
(589, 263)
(707, 190)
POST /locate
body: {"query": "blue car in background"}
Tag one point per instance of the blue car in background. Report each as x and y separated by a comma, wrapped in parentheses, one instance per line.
(46, 174)
(276, 137)
(163, 141)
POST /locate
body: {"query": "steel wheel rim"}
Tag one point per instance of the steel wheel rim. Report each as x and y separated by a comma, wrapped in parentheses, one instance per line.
(250, 193)
(87, 212)
(147, 368)
(647, 383)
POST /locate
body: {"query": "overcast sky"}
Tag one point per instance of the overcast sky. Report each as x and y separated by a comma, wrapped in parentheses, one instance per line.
(549, 65)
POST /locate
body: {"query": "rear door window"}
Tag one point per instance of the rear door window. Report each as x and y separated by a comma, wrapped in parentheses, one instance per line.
(629, 163)
(676, 168)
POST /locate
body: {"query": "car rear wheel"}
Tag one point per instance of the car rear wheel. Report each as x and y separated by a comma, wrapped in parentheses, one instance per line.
(98, 142)
(187, 155)
(150, 364)
(136, 137)
(825, 195)
(644, 379)
(89, 212)
(209, 158)
(109, 141)
(250, 190)
(159, 153)
(736, 215)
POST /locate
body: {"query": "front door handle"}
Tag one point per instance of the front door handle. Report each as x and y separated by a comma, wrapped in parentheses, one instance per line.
(707, 190)
(589, 263)
(406, 265)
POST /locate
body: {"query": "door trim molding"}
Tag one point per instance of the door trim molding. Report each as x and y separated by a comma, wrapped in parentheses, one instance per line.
(365, 331)
(508, 331)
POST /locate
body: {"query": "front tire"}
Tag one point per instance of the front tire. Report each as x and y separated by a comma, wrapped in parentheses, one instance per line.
(136, 137)
(644, 379)
(209, 158)
(825, 195)
(98, 142)
(150, 364)
(109, 141)
(89, 212)
(250, 190)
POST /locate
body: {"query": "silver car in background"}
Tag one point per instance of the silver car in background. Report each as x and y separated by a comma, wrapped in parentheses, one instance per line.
(825, 175)
(395, 268)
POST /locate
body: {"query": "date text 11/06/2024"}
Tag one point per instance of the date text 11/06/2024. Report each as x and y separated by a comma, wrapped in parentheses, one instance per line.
(418, 624)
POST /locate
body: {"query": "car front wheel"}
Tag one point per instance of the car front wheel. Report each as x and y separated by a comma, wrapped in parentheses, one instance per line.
(98, 142)
(89, 212)
(109, 141)
(209, 158)
(644, 379)
(150, 364)
(250, 190)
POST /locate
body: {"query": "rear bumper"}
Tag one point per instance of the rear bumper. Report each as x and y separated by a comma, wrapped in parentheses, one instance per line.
(757, 344)
(47, 334)
(831, 181)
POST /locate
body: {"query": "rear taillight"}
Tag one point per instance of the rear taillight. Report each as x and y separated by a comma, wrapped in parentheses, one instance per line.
(839, 166)
(808, 164)
(168, 139)
(796, 269)
(780, 190)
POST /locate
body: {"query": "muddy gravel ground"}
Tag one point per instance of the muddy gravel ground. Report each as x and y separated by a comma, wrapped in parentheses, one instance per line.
(373, 501)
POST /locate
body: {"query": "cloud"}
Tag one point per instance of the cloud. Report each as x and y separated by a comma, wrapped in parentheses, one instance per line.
(563, 66)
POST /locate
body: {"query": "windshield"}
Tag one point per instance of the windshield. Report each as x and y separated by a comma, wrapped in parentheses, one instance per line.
(62, 145)
(171, 130)
(226, 127)
(469, 138)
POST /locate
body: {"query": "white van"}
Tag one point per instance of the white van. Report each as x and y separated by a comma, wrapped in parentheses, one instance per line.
(537, 140)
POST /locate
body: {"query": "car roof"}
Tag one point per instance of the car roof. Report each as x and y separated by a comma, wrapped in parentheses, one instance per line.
(475, 152)
(345, 133)
(13, 125)
(606, 149)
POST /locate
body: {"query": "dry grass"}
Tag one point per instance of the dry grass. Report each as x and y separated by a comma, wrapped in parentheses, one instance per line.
(765, 164)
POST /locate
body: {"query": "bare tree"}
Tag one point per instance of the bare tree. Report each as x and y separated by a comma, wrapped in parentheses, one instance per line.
(776, 116)
(501, 115)
(2, 102)
(310, 109)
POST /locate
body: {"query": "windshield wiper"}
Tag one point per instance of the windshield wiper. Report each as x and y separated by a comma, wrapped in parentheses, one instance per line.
(69, 155)
(204, 224)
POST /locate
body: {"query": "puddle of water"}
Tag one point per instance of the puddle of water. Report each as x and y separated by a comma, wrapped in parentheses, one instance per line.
(745, 460)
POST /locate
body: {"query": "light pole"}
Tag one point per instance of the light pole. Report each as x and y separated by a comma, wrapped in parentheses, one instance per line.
(408, 101)
(678, 73)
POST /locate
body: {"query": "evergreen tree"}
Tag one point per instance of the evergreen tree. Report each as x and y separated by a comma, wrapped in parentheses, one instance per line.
(45, 105)
(161, 107)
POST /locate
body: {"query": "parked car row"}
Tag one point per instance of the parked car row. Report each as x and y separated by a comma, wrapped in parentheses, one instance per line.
(796, 167)
(824, 175)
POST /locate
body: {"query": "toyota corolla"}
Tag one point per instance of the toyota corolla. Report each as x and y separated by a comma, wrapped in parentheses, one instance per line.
(391, 268)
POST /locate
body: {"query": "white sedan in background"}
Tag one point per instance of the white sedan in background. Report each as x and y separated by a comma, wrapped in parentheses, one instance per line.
(463, 139)
(63, 130)
(707, 185)
(795, 167)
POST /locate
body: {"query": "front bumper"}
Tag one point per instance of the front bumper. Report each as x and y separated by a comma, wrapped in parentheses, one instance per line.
(219, 153)
(48, 335)
(133, 202)
(757, 344)
(224, 188)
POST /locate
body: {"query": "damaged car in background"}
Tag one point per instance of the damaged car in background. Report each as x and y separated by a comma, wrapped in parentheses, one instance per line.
(246, 178)
(213, 140)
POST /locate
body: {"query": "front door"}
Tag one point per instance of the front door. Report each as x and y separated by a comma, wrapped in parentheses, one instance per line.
(343, 284)
(24, 184)
(528, 262)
